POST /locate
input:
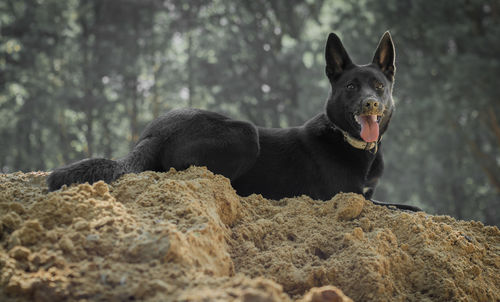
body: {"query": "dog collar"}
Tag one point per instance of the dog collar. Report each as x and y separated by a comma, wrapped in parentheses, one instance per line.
(357, 143)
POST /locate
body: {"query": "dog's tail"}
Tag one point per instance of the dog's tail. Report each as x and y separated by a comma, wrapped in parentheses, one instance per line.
(90, 170)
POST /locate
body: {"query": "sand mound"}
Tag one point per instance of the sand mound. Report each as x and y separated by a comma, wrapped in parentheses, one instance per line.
(188, 236)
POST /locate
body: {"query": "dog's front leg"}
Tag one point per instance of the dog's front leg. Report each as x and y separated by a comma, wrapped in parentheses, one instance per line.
(397, 205)
(373, 175)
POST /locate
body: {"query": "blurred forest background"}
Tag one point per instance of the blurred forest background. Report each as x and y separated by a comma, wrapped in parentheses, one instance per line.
(81, 78)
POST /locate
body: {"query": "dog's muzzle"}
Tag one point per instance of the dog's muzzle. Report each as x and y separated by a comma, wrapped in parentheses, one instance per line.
(371, 112)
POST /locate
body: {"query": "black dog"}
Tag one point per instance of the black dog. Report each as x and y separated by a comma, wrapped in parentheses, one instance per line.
(336, 151)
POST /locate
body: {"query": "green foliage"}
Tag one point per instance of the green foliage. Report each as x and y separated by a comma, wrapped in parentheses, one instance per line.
(81, 78)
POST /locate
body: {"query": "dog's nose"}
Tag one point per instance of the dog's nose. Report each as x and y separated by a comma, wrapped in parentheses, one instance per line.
(371, 104)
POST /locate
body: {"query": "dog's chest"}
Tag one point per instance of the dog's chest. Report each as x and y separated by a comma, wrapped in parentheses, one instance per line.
(300, 173)
(335, 173)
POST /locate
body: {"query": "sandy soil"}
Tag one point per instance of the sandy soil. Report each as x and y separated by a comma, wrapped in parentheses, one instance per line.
(187, 236)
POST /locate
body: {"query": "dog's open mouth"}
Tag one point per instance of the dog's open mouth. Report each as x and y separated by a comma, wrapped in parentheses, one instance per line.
(369, 126)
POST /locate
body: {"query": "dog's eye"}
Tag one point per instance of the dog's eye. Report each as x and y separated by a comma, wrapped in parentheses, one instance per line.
(350, 86)
(379, 86)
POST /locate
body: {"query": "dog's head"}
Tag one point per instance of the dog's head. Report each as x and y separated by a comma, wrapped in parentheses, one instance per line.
(361, 96)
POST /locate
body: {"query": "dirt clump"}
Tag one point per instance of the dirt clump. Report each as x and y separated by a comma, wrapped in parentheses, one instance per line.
(187, 236)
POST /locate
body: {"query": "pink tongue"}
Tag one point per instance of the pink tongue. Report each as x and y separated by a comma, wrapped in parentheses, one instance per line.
(369, 128)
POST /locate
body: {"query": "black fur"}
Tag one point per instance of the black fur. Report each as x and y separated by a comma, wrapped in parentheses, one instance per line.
(313, 159)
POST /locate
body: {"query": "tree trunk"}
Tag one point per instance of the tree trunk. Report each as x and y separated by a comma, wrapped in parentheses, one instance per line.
(87, 101)
(190, 79)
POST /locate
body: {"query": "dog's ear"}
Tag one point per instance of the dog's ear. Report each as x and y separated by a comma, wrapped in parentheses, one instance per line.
(337, 59)
(385, 56)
